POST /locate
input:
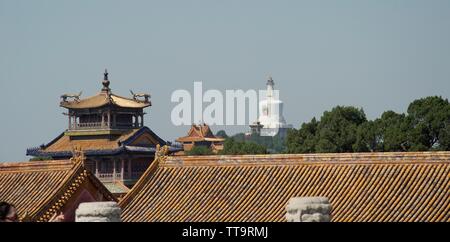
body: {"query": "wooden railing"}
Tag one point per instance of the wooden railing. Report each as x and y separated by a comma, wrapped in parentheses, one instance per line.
(100, 125)
(107, 177)
(88, 125)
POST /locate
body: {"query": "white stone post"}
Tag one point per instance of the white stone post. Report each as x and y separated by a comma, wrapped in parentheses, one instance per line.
(98, 212)
(308, 209)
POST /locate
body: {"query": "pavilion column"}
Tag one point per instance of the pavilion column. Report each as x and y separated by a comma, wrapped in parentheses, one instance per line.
(136, 120)
(122, 168)
(109, 119)
(114, 170)
(103, 120)
(114, 120)
(70, 121)
(142, 120)
(96, 168)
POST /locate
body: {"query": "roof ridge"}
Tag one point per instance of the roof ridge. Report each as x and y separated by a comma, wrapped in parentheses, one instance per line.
(305, 159)
(36, 165)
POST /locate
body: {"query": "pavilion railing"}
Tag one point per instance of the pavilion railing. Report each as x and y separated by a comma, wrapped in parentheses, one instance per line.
(88, 125)
(100, 125)
(106, 177)
(109, 176)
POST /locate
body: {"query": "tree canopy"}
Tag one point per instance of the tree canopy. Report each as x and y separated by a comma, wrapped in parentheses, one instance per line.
(200, 150)
(232, 147)
(425, 126)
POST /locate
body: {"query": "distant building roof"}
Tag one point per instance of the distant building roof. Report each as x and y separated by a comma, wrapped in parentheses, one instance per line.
(360, 187)
(201, 132)
(40, 189)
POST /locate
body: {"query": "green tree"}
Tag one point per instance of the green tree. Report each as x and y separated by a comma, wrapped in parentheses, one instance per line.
(367, 137)
(388, 133)
(393, 132)
(337, 129)
(303, 140)
(274, 144)
(430, 121)
(199, 150)
(232, 147)
(222, 134)
(426, 126)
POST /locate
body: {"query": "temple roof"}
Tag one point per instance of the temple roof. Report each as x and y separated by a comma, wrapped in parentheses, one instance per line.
(360, 187)
(201, 132)
(134, 140)
(38, 189)
(105, 97)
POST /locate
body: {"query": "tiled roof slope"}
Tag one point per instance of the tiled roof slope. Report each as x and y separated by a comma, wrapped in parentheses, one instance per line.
(360, 186)
(38, 189)
(63, 145)
(105, 98)
(201, 132)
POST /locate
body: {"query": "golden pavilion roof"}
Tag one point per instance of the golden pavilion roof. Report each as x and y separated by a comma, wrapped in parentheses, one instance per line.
(103, 98)
(360, 186)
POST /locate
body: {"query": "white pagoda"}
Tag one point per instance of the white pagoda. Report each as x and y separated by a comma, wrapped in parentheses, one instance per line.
(271, 120)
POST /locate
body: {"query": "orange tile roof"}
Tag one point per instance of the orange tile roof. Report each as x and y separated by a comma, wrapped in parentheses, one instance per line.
(64, 143)
(39, 189)
(360, 186)
(201, 132)
(105, 98)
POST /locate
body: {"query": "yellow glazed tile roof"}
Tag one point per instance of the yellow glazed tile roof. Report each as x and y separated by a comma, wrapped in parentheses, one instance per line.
(201, 132)
(361, 187)
(104, 98)
(39, 189)
(65, 143)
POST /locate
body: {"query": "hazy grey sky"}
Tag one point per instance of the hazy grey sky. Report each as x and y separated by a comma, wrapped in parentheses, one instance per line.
(379, 55)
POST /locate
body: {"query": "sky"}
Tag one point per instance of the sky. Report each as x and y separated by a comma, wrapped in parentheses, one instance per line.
(375, 54)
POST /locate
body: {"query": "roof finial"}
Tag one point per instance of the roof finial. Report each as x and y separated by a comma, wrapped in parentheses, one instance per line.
(105, 82)
(105, 75)
(270, 80)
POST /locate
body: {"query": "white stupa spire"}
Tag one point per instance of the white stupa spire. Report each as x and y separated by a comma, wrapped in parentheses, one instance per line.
(271, 111)
(270, 84)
